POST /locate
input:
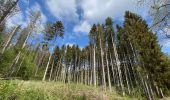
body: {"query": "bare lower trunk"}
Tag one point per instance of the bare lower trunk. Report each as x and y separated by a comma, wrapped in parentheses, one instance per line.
(8, 12)
(20, 65)
(126, 76)
(162, 95)
(59, 68)
(94, 65)
(102, 63)
(45, 73)
(118, 66)
(15, 61)
(85, 76)
(10, 38)
(91, 72)
(51, 70)
(39, 63)
(108, 73)
(113, 74)
(147, 90)
(64, 73)
(69, 72)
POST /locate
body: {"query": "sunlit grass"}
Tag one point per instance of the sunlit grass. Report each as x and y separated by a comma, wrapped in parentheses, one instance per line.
(38, 90)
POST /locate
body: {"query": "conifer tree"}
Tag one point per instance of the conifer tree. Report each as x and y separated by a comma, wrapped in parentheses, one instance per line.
(51, 33)
(147, 51)
(93, 35)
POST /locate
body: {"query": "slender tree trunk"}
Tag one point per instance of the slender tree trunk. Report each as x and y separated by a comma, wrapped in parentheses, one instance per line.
(126, 76)
(162, 95)
(133, 70)
(85, 76)
(78, 71)
(94, 65)
(15, 61)
(20, 65)
(10, 38)
(149, 86)
(6, 13)
(64, 74)
(118, 66)
(45, 73)
(102, 63)
(147, 89)
(108, 72)
(88, 75)
(130, 78)
(59, 68)
(39, 63)
(75, 66)
(51, 70)
(97, 72)
(69, 72)
(91, 69)
(56, 69)
(157, 90)
(112, 69)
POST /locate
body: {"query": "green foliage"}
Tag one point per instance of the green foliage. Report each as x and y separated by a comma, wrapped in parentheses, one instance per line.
(5, 60)
(54, 30)
(22, 37)
(27, 69)
(24, 69)
(7, 89)
(138, 50)
(146, 48)
(0, 38)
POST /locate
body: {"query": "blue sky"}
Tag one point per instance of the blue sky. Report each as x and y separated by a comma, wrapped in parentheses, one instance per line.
(78, 16)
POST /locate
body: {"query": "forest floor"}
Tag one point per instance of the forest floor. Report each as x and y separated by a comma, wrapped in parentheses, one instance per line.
(38, 90)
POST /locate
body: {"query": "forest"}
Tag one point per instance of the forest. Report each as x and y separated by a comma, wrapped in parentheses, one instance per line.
(124, 60)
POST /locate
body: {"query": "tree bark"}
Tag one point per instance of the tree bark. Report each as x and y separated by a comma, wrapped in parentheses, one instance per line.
(102, 63)
(45, 73)
(10, 38)
(118, 65)
(6, 13)
(108, 72)
(51, 70)
(94, 65)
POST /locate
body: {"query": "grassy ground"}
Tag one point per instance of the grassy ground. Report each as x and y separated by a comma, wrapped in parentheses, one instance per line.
(37, 90)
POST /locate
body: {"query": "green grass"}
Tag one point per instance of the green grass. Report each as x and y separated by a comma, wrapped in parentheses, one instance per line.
(37, 90)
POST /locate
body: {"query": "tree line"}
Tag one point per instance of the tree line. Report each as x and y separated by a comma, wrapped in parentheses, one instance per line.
(125, 58)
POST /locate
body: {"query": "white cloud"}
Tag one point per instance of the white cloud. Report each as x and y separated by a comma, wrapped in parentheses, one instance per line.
(63, 9)
(43, 19)
(99, 10)
(82, 27)
(69, 36)
(37, 7)
(163, 40)
(17, 19)
(165, 43)
(25, 1)
(20, 19)
(167, 30)
(92, 11)
(96, 11)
